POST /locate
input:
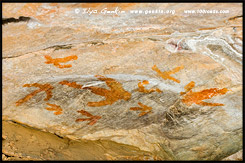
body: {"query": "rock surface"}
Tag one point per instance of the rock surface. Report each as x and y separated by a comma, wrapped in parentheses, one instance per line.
(126, 86)
(237, 156)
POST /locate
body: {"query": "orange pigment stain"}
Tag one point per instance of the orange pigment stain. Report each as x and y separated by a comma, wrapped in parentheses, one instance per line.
(29, 9)
(166, 74)
(190, 97)
(71, 84)
(143, 108)
(142, 88)
(55, 108)
(210, 28)
(42, 87)
(115, 93)
(93, 119)
(56, 62)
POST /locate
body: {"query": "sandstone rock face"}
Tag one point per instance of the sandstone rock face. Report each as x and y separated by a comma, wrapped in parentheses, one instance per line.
(237, 156)
(129, 86)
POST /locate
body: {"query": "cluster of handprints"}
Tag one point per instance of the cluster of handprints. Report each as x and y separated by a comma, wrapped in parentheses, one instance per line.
(117, 92)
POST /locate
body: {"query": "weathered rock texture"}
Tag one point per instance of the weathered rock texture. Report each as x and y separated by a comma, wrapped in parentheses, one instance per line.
(237, 156)
(126, 86)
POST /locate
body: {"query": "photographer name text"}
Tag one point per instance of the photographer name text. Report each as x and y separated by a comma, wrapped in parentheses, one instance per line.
(118, 11)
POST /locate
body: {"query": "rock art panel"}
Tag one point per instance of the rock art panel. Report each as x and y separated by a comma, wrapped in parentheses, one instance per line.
(178, 98)
(55, 108)
(115, 93)
(47, 88)
(142, 88)
(56, 62)
(72, 84)
(190, 97)
(166, 74)
(143, 108)
(93, 119)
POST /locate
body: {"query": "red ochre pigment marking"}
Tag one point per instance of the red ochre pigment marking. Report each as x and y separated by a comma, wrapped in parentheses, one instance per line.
(71, 84)
(42, 87)
(142, 88)
(93, 118)
(190, 97)
(143, 108)
(166, 74)
(115, 93)
(57, 61)
(55, 108)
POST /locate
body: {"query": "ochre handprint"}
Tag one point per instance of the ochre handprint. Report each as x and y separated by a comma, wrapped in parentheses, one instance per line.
(115, 93)
(143, 108)
(57, 61)
(71, 84)
(142, 88)
(93, 118)
(42, 87)
(166, 74)
(190, 97)
(55, 108)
